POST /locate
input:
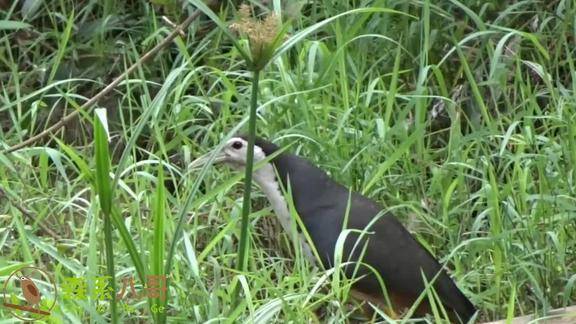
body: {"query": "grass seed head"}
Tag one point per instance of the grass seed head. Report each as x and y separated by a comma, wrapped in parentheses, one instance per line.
(261, 34)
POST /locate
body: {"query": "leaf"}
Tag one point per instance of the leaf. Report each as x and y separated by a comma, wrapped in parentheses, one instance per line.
(103, 188)
(398, 152)
(158, 214)
(105, 196)
(7, 270)
(71, 264)
(80, 163)
(29, 7)
(208, 12)
(13, 25)
(191, 255)
(307, 31)
(102, 116)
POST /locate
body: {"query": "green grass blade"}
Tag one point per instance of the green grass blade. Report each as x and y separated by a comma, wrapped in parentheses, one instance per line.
(398, 153)
(158, 214)
(104, 191)
(296, 38)
(222, 25)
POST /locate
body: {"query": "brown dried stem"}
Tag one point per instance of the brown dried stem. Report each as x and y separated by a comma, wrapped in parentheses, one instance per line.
(88, 104)
(29, 215)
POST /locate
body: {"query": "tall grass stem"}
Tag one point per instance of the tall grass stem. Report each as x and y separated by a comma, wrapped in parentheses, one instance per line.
(244, 240)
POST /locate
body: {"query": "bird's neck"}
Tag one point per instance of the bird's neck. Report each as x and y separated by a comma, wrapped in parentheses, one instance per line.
(265, 177)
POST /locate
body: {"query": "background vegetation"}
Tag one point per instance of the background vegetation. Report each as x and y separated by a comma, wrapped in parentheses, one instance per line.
(458, 115)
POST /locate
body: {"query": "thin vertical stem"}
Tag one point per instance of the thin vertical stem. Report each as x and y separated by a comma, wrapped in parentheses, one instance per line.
(108, 243)
(243, 248)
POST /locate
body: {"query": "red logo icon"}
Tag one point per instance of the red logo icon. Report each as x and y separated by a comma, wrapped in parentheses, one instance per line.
(29, 294)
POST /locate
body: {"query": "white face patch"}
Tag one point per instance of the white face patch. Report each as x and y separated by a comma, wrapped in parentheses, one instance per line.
(236, 152)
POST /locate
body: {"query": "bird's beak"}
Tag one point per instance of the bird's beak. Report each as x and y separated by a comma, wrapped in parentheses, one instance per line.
(208, 158)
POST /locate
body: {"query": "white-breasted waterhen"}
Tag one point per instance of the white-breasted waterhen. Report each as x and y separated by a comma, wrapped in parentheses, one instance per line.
(322, 204)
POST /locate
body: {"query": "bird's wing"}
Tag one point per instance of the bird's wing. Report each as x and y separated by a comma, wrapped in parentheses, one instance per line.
(32, 290)
(322, 204)
(400, 259)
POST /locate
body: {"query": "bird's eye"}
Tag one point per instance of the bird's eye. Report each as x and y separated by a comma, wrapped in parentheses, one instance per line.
(237, 145)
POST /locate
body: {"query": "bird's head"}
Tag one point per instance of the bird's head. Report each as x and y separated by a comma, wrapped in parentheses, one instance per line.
(234, 153)
(23, 278)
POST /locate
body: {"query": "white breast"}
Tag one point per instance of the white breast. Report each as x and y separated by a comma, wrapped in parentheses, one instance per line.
(266, 179)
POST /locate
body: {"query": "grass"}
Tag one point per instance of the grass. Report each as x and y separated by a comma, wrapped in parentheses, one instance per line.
(457, 115)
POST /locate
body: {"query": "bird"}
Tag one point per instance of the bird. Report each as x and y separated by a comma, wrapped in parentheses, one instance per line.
(30, 291)
(324, 206)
